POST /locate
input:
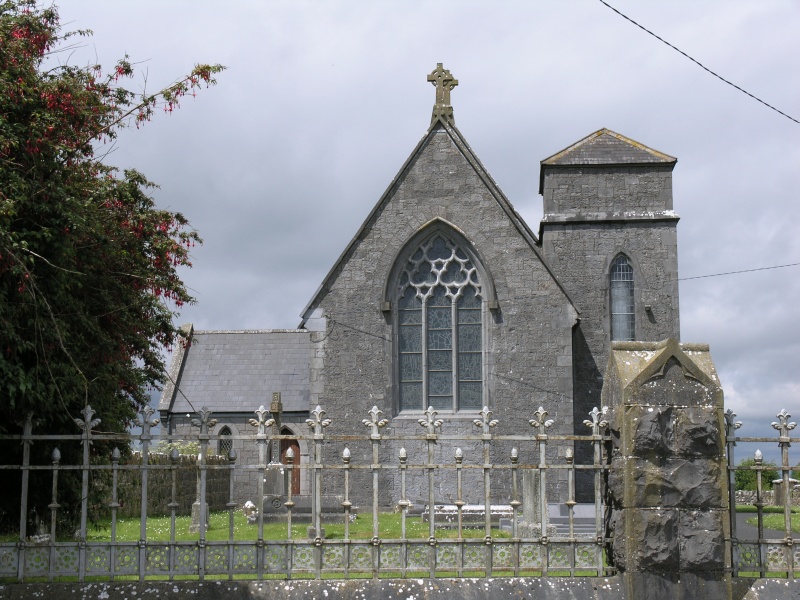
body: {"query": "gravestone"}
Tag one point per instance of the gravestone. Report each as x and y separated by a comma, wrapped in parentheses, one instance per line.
(194, 524)
(530, 524)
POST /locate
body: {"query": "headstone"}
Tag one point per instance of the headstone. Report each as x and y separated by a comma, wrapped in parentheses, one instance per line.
(531, 523)
(194, 526)
(778, 493)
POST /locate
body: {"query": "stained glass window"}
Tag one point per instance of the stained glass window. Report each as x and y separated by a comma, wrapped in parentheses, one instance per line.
(440, 329)
(623, 317)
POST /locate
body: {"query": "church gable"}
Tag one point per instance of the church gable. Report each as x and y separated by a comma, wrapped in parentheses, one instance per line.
(441, 299)
(441, 180)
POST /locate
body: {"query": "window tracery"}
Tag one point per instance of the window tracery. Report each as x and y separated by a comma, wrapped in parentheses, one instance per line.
(440, 328)
(225, 444)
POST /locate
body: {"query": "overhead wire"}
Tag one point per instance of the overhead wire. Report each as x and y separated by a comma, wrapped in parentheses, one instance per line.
(699, 64)
(737, 272)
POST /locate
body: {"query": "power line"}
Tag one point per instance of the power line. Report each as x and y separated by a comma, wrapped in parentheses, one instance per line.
(737, 272)
(699, 64)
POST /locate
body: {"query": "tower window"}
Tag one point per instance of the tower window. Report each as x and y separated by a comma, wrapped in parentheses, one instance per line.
(623, 317)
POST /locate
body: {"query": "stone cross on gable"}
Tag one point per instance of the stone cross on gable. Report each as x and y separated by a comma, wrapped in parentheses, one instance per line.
(444, 83)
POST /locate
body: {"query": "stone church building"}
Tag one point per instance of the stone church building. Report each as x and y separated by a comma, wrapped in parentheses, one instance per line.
(446, 298)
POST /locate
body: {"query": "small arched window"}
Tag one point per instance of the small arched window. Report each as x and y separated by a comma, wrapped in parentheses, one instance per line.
(225, 444)
(439, 328)
(623, 317)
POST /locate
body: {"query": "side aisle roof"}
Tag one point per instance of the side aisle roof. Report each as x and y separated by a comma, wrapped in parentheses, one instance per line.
(237, 371)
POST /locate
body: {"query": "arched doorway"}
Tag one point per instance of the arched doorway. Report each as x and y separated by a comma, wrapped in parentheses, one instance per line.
(295, 446)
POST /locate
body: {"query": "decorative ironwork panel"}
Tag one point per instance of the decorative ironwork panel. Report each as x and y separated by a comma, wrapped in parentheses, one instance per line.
(187, 558)
(558, 556)
(418, 557)
(275, 558)
(796, 562)
(530, 556)
(303, 557)
(216, 559)
(503, 556)
(98, 559)
(156, 558)
(447, 557)
(66, 559)
(37, 561)
(748, 557)
(8, 561)
(474, 556)
(587, 556)
(333, 557)
(244, 559)
(777, 559)
(361, 557)
(391, 556)
(126, 561)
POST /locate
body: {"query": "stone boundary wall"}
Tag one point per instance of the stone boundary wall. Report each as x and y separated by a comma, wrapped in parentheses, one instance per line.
(768, 498)
(545, 588)
(159, 486)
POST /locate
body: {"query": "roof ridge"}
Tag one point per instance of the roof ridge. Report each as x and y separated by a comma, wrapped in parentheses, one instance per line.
(661, 156)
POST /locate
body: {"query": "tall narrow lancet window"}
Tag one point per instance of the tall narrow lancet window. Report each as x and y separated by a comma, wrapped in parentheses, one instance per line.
(440, 329)
(623, 317)
(225, 441)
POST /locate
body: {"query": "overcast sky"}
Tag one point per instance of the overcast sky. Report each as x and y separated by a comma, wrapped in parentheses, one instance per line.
(323, 101)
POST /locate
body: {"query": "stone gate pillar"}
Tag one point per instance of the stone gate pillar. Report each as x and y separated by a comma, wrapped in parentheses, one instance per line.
(668, 485)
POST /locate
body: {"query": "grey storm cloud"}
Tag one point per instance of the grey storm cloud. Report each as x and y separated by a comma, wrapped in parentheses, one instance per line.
(322, 102)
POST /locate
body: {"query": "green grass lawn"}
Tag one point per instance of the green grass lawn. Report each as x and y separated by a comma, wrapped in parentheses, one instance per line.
(158, 529)
(773, 516)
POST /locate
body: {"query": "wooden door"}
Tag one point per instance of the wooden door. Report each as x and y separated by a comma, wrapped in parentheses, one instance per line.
(295, 446)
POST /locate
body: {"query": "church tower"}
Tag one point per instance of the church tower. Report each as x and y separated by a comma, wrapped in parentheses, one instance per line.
(609, 234)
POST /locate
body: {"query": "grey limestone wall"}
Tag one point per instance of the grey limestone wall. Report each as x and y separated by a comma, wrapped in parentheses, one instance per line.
(527, 340)
(501, 588)
(608, 190)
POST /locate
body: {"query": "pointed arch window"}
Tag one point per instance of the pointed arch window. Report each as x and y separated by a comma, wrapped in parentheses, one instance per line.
(440, 328)
(623, 317)
(225, 444)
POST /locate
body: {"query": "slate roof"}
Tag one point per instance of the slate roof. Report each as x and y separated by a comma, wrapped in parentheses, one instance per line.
(606, 147)
(237, 371)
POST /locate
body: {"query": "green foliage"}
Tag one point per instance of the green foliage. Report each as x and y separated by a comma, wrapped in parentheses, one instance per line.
(88, 263)
(389, 527)
(189, 448)
(746, 479)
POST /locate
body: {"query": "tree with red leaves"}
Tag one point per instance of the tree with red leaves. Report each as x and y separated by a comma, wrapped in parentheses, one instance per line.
(88, 264)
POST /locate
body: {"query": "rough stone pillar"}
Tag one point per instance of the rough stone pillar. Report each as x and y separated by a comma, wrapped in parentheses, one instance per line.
(668, 487)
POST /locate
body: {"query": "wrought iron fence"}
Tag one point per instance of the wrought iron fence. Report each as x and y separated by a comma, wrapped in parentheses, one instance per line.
(569, 547)
(757, 549)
